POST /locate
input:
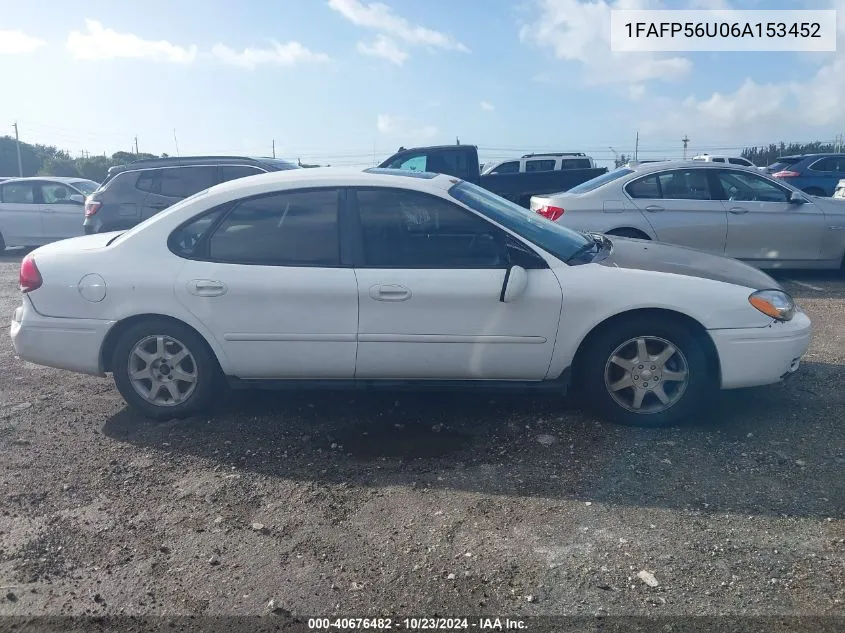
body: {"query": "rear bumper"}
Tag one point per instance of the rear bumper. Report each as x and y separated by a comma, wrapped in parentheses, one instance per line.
(72, 344)
(751, 357)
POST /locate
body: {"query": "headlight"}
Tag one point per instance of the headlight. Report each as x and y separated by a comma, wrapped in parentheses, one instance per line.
(774, 303)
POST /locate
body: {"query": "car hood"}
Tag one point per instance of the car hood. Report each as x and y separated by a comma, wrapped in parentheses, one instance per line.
(679, 260)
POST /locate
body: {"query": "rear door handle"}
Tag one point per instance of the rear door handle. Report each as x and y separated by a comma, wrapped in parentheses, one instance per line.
(737, 210)
(653, 208)
(390, 292)
(206, 288)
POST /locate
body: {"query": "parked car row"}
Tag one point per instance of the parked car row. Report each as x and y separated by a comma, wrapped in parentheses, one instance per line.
(347, 278)
(815, 174)
(722, 209)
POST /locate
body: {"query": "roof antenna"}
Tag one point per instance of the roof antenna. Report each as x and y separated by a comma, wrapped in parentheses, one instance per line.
(457, 141)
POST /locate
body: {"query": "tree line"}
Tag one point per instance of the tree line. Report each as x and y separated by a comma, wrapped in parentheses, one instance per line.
(768, 154)
(47, 160)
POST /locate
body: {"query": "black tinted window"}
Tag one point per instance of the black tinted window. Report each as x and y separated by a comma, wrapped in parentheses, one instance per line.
(739, 161)
(182, 182)
(188, 238)
(507, 168)
(454, 163)
(148, 180)
(644, 188)
(289, 228)
(540, 165)
(575, 163)
(831, 163)
(742, 187)
(233, 172)
(407, 229)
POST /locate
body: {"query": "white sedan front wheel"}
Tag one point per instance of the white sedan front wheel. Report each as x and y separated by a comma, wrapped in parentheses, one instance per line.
(647, 372)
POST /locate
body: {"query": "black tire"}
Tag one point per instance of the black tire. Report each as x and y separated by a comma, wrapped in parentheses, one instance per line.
(634, 233)
(700, 383)
(815, 191)
(204, 365)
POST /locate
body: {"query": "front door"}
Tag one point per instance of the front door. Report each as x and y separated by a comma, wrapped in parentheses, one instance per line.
(61, 217)
(763, 225)
(429, 291)
(267, 282)
(20, 214)
(681, 208)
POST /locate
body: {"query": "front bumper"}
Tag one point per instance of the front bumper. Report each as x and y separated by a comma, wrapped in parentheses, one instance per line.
(750, 357)
(72, 344)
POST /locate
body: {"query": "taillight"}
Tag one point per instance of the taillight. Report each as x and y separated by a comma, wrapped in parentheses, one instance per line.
(550, 212)
(786, 174)
(91, 208)
(30, 278)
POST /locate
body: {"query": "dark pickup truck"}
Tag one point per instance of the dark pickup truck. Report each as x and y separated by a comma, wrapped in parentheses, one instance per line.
(462, 161)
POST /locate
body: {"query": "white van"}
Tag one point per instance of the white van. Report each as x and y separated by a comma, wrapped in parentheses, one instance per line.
(733, 160)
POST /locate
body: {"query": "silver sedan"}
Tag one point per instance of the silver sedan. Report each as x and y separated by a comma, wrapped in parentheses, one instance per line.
(733, 211)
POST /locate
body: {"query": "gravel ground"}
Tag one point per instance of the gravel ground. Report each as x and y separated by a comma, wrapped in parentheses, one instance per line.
(404, 503)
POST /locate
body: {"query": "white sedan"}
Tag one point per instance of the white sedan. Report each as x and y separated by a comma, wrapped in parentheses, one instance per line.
(382, 276)
(36, 211)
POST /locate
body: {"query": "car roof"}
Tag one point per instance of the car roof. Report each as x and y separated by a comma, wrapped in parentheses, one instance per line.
(61, 179)
(688, 164)
(187, 161)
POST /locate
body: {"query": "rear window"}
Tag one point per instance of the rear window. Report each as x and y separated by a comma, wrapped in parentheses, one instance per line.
(279, 164)
(85, 186)
(576, 163)
(783, 163)
(600, 181)
(511, 167)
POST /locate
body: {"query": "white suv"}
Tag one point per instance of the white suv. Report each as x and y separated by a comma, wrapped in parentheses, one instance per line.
(733, 160)
(530, 163)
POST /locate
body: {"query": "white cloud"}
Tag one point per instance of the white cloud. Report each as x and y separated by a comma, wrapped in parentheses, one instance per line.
(579, 31)
(636, 92)
(487, 106)
(397, 126)
(392, 27)
(278, 54)
(18, 43)
(384, 47)
(102, 43)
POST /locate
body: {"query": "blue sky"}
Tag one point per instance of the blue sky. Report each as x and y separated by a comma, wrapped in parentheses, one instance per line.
(340, 81)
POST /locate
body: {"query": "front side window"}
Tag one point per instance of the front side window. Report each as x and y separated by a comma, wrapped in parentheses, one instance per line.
(55, 193)
(684, 185)
(182, 182)
(539, 165)
(233, 172)
(18, 193)
(742, 187)
(409, 229)
(297, 228)
(511, 167)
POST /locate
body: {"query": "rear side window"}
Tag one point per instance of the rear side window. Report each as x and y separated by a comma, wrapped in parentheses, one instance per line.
(511, 167)
(539, 165)
(185, 240)
(576, 163)
(647, 187)
(23, 193)
(147, 180)
(283, 229)
(739, 161)
(182, 182)
(831, 163)
(233, 172)
(718, 160)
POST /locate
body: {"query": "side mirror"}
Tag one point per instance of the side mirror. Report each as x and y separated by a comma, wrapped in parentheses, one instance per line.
(516, 281)
(77, 198)
(797, 198)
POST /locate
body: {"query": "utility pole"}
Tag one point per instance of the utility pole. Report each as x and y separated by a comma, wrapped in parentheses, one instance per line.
(685, 141)
(457, 141)
(175, 141)
(136, 146)
(18, 146)
(637, 147)
(274, 148)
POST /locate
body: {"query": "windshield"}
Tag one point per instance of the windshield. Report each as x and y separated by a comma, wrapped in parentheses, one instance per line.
(781, 164)
(85, 186)
(550, 236)
(599, 181)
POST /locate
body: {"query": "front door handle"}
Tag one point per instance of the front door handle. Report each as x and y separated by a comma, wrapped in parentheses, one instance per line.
(737, 210)
(206, 288)
(390, 292)
(653, 208)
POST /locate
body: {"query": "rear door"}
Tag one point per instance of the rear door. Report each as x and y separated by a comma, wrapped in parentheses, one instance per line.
(169, 185)
(20, 214)
(61, 217)
(681, 208)
(763, 225)
(266, 278)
